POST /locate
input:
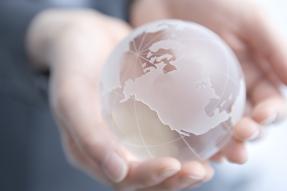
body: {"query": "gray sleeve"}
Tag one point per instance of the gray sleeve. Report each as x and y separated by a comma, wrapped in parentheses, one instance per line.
(16, 15)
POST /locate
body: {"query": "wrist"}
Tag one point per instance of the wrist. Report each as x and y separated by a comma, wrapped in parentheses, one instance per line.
(156, 10)
(49, 29)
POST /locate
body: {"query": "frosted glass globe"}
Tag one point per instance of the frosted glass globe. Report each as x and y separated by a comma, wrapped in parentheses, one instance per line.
(172, 88)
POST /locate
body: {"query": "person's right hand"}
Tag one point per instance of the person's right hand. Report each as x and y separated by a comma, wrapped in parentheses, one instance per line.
(74, 44)
(259, 47)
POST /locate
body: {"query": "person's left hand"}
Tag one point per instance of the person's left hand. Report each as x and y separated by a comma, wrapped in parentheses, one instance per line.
(258, 46)
(74, 45)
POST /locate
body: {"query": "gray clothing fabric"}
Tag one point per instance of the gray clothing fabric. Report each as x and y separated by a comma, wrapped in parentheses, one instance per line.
(32, 158)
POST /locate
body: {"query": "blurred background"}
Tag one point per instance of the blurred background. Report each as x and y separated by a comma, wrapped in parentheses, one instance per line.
(31, 156)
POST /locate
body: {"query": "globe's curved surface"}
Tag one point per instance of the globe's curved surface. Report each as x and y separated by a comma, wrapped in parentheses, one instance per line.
(172, 88)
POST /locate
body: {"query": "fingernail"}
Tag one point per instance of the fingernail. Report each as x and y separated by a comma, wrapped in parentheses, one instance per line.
(115, 167)
(198, 173)
(169, 172)
(271, 119)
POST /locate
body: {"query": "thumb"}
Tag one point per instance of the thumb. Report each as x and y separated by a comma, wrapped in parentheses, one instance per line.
(76, 108)
(101, 147)
(268, 42)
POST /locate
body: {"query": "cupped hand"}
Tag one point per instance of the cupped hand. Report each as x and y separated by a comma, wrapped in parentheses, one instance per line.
(259, 46)
(75, 44)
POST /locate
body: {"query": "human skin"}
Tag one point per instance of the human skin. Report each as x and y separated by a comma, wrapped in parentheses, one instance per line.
(259, 46)
(74, 44)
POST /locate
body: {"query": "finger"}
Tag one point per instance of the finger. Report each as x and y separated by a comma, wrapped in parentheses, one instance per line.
(248, 108)
(218, 157)
(191, 173)
(267, 41)
(108, 156)
(251, 72)
(263, 89)
(75, 105)
(149, 173)
(270, 111)
(209, 172)
(235, 152)
(73, 154)
(208, 177)
(269, 104)
(79, 159)
(246, 129)
(75, 100)
(77, 110)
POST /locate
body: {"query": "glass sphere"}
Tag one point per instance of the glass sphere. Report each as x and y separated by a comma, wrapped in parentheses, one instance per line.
(172, 88)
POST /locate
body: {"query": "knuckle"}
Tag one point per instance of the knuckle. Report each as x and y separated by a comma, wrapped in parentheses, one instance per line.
(168, 185)
(95, 149)
(149, 181)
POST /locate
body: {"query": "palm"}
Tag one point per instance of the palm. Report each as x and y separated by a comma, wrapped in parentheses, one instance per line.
(260, 53)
